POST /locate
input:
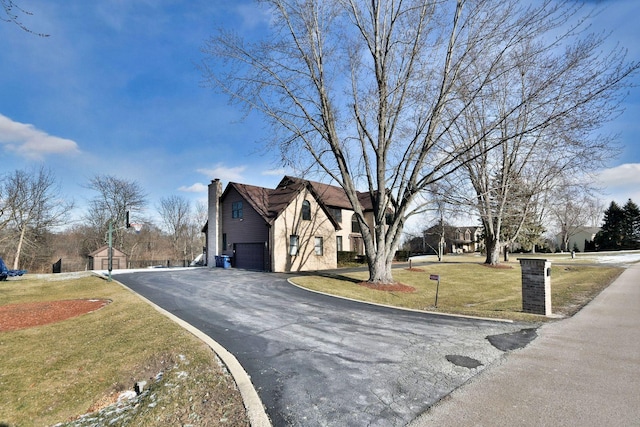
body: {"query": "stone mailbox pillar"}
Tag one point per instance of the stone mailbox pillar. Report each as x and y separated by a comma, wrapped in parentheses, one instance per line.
(536, 285)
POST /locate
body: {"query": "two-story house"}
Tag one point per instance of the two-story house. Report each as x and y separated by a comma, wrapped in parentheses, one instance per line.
(454, 239)
(466, 239)
(298, 226)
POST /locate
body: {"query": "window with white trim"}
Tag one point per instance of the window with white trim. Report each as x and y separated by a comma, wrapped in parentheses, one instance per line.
(319, 246)
(293, 245)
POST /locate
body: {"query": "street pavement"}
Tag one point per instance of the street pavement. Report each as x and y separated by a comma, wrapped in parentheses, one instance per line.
(581, 371)
(317, 360)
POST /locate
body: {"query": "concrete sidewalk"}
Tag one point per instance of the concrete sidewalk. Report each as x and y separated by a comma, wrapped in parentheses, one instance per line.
(583, 371)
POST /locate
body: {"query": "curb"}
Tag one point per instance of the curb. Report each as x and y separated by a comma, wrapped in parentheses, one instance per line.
(252, 403)
(413, 310)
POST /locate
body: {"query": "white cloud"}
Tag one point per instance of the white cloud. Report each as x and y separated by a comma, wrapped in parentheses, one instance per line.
(225, 173)
(198, 187)
(28, 141)
(623, 175)
(621, 183)
(274, 172)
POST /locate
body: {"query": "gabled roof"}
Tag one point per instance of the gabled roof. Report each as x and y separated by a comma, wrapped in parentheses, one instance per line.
(116, 252)
(472, 228)
(270, 203)
(266, 202)
(332, 196)
(284, 194)
(257, 197)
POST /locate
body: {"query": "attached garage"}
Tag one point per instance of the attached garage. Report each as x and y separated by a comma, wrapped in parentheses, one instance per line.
(250, 256)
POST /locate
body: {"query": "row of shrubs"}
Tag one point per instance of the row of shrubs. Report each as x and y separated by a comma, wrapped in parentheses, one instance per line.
(347, 257)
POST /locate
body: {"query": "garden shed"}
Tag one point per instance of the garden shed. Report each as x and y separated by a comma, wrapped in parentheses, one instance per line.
(100, 259)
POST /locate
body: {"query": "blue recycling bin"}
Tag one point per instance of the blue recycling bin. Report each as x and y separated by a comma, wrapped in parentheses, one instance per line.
(225, 261)
(218, 261)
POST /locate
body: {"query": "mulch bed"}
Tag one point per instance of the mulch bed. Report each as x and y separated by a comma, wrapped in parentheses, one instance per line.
(392, 287)
(28, 315)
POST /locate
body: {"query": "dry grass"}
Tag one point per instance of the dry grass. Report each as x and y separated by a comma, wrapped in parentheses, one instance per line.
(54, 373)
(471, 288)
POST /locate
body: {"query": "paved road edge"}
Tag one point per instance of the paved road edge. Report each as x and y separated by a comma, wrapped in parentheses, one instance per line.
(253, 404)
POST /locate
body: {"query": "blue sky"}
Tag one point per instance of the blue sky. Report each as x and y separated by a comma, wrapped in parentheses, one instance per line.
(115, 90)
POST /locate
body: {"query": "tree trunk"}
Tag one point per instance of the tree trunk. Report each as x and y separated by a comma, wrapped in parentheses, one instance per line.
(379, 260)
(16, 260)
(380, 271)
(493, 250)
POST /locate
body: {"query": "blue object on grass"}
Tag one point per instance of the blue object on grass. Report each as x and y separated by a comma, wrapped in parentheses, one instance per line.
(5, 272)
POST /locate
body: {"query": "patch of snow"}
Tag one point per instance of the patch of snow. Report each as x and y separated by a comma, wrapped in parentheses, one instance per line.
(618, 259)
(127, 395)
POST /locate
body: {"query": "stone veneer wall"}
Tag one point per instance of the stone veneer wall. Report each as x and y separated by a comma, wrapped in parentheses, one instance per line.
(536, 285)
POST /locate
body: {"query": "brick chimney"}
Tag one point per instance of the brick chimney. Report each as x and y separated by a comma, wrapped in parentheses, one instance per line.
(214, 229)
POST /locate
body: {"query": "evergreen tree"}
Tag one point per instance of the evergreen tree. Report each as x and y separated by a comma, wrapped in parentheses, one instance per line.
(631, 226)
(610, 237)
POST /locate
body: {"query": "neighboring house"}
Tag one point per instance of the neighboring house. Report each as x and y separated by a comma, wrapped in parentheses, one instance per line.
(466, 239)
(100, 259)
(578, 237)
(298, 226)
(457, 239)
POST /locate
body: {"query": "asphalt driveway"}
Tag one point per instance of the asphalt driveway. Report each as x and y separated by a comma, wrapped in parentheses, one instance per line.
(321, 361)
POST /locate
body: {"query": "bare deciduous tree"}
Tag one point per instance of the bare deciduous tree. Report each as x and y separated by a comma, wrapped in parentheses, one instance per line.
(115, 197)
(10, 11)
(374, 93)
(537, 125)
(32, 205)
(175, 212)
(199, 218)
(572, 210)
